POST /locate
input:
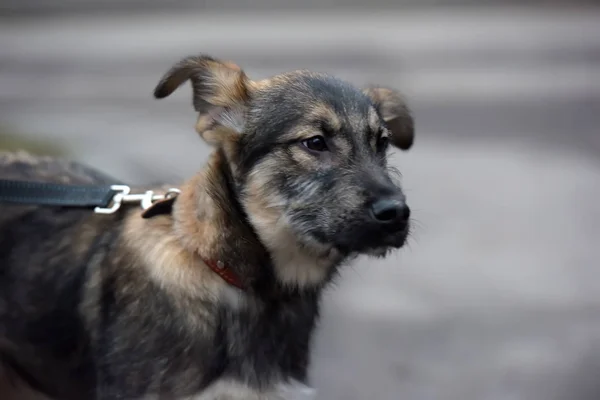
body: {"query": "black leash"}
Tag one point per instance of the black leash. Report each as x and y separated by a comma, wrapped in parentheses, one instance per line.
(54, 194)
(106, 199)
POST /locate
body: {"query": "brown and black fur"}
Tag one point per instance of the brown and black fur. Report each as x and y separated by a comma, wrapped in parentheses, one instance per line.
(121, 307)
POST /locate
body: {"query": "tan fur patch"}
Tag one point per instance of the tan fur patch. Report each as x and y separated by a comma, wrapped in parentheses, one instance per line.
(226, 82)
(373, 119)
(302, 157)
(231, 390)
(11, 157)
(320, 113)
(324, 112)
(193, 212)
(169, 263)
(203, 124)
(258, 85)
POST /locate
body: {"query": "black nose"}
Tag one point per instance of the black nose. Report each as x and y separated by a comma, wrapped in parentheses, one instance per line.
(389, 210)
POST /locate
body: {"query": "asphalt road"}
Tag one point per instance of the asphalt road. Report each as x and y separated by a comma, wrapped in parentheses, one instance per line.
(497, 296)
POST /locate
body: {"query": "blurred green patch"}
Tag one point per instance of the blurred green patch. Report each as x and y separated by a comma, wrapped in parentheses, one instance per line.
(10, 140)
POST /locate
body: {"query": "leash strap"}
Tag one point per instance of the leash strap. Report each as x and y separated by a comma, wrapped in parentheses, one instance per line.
(106, 199)
(54, 194)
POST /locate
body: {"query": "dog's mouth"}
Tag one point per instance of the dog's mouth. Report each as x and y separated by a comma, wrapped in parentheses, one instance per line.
(388, 242)
(373, 243)
(391, 242)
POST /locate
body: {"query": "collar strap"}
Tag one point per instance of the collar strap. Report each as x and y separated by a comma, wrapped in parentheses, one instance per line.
(225, 272)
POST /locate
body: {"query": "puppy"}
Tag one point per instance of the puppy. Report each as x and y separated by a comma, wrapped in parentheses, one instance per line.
(215, 296)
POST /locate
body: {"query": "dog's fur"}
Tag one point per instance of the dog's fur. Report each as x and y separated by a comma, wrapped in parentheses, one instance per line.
(121, 307)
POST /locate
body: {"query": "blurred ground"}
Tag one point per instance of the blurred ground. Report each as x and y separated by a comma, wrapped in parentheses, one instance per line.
(497, 297)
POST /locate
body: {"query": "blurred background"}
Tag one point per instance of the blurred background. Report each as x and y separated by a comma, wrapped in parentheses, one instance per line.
(498, 295)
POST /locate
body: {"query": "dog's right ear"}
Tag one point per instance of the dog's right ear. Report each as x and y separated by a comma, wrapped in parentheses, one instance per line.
(396, 114)
(220, 95)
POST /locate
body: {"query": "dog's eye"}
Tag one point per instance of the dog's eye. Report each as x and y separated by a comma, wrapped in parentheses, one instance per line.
(382, 142)
(316, 143)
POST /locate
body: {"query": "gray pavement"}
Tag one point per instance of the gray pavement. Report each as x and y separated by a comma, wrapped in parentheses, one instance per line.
(497, 296)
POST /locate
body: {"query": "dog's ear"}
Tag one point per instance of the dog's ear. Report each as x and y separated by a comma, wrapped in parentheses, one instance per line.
(220, 94)
(396, 114)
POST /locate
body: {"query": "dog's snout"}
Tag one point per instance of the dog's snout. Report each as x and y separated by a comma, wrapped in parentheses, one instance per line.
(390, 210)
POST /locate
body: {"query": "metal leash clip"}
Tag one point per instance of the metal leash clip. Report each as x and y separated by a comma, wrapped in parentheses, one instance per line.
(124, 196)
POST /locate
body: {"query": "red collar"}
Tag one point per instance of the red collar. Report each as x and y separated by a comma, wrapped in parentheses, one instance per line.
(225, 272)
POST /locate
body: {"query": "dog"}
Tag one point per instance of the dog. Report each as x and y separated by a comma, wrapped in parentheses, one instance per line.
(120, 306)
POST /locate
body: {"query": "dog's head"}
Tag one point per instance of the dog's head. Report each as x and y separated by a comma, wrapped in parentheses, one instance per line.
(308, 154)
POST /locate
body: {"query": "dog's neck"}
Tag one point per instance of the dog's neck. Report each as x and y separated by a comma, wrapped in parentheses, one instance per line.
(209, 221)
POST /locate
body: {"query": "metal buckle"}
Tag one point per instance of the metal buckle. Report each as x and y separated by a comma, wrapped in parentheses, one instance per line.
(124, 195)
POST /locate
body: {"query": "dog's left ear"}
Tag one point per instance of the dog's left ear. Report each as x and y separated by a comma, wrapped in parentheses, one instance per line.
(396, 114)
(220, 95)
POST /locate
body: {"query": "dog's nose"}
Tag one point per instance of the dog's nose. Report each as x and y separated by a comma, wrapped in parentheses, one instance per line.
(389, 210)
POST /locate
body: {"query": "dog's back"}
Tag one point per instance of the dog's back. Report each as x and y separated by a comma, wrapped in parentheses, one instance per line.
(32, 261)
(25, 166)
(77, 307)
